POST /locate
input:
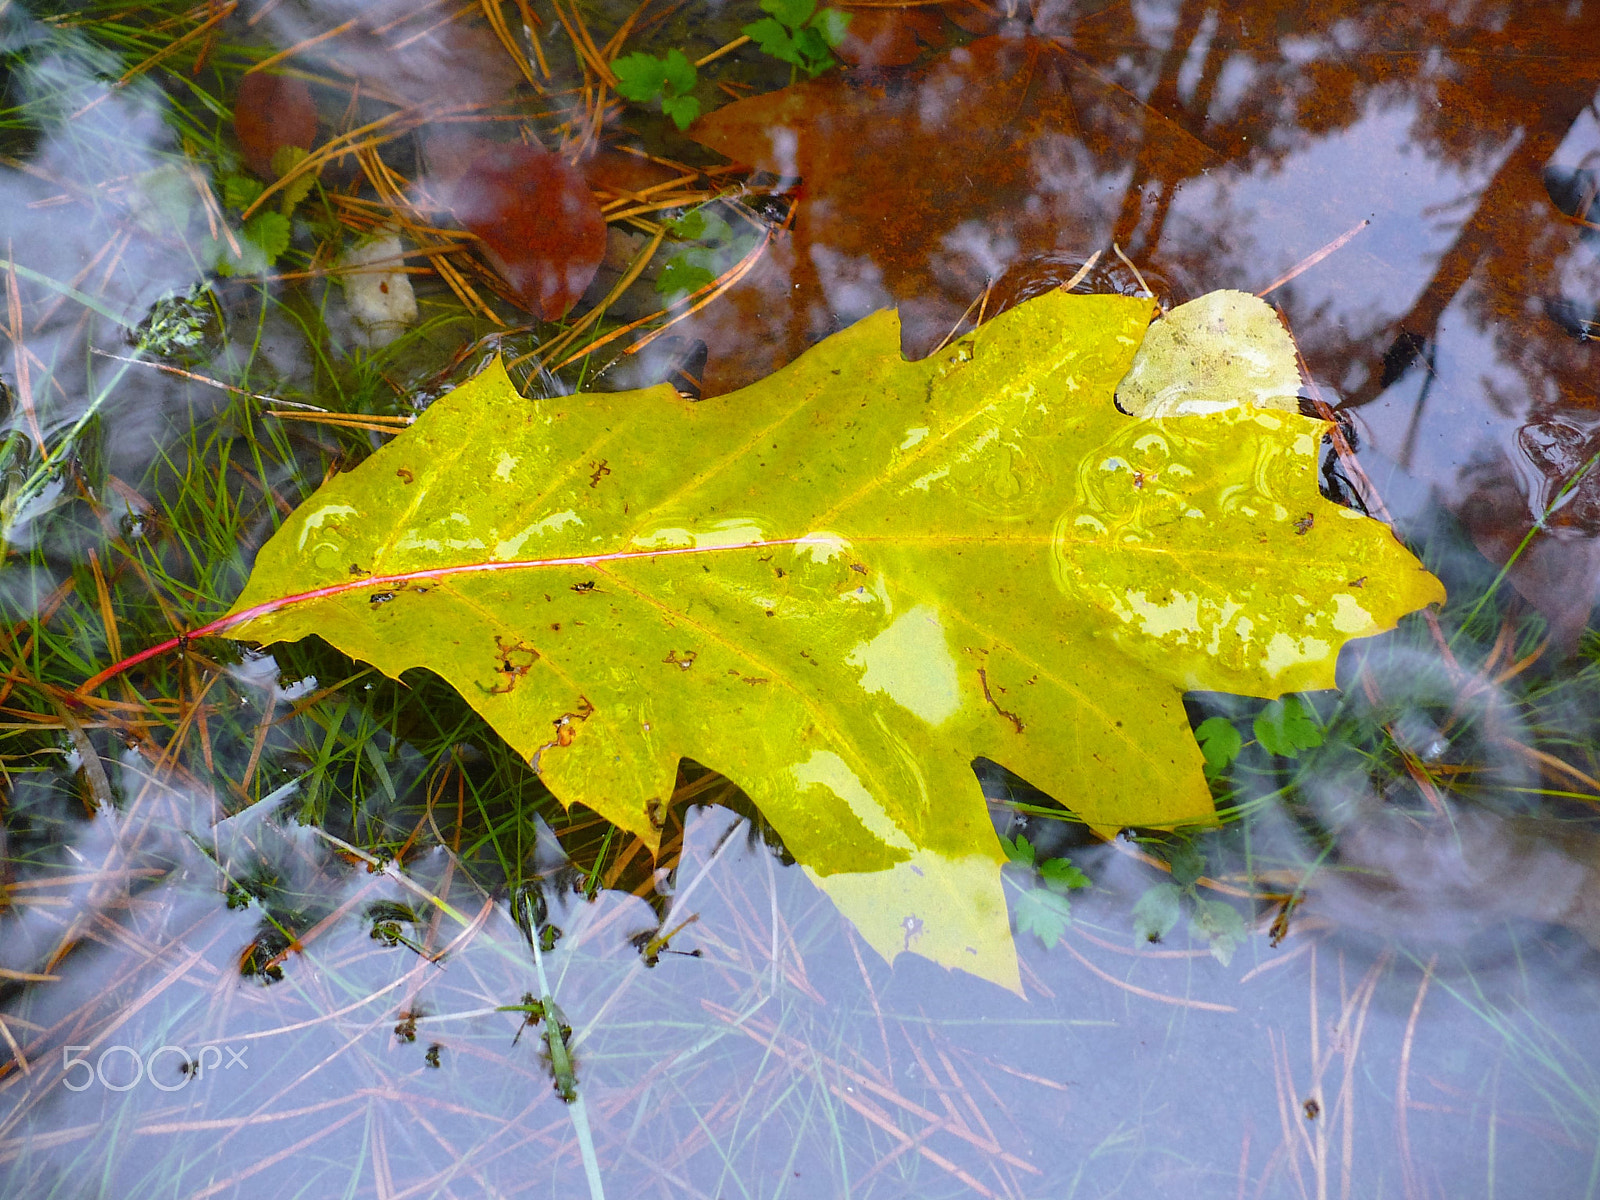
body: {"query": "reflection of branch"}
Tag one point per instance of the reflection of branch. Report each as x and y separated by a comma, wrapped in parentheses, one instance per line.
(1493, 221)
(1499, 222)
(1163, 99)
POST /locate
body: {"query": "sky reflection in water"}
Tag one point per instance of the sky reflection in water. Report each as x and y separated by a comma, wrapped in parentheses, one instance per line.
(787, 1057)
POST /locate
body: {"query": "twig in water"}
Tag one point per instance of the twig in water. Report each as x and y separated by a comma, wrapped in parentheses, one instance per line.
(1311, 260)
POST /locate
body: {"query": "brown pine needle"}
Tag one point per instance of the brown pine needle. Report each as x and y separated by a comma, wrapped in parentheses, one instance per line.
(1523, 663)
(16, 1050)
(215, 221)
(721, 50)
(651, 193)
(1082, 272)
(530, 26)
(464, 291)
(981, 298)
(29, 976)
(1179, 1001)
(1558, 765)
(635, 269)
(497, 22)
(391, 126)
(263, 12)
(108, 615)
(1402, 1097)
(615, 42)
(578, 32)
(793, 1051)
(166, 51)
(707, 294)
(439, 24)
(24, 385)
(407, 13)
(1141, 952)
(392, 189)
(55, 304)
(376, 424)
(1502, 643)
(639, 214)
(205, 379)
(1205, 881)
(1128, 262)
(290, 51)
(1272, 964)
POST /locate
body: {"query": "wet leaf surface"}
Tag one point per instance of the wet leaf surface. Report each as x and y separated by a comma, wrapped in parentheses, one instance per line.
(1259, 139)
(841, 586)
(1179, 369)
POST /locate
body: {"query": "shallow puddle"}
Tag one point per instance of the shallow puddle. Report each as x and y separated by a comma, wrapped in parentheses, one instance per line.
(273, 924)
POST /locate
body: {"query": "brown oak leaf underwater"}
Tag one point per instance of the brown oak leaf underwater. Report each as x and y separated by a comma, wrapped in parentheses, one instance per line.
(842, 585)
(920, 189)
(888, 37)
(531, 211)
(272, 112)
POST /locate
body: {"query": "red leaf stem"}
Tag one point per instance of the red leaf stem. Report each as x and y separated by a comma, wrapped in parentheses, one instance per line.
(403, 577)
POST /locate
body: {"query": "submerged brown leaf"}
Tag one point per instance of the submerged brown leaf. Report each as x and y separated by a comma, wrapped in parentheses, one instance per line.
(889, 37)
(270, 113)
(533, 213)
(920, 191)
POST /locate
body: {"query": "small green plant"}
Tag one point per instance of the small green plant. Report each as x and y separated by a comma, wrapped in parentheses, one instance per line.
(1043, 907)
(794, 31)
(265, 235)
(797, 33)
(644, 78)
(1220, 743)
(1158, 911)
(1286, 727)
(178, 322)
(713, 250)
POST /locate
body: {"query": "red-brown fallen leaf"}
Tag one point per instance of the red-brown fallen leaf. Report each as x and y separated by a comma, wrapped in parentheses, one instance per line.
(534, 214)
(919, 191)
(889, 37)
(976, 16)
(271, 112)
